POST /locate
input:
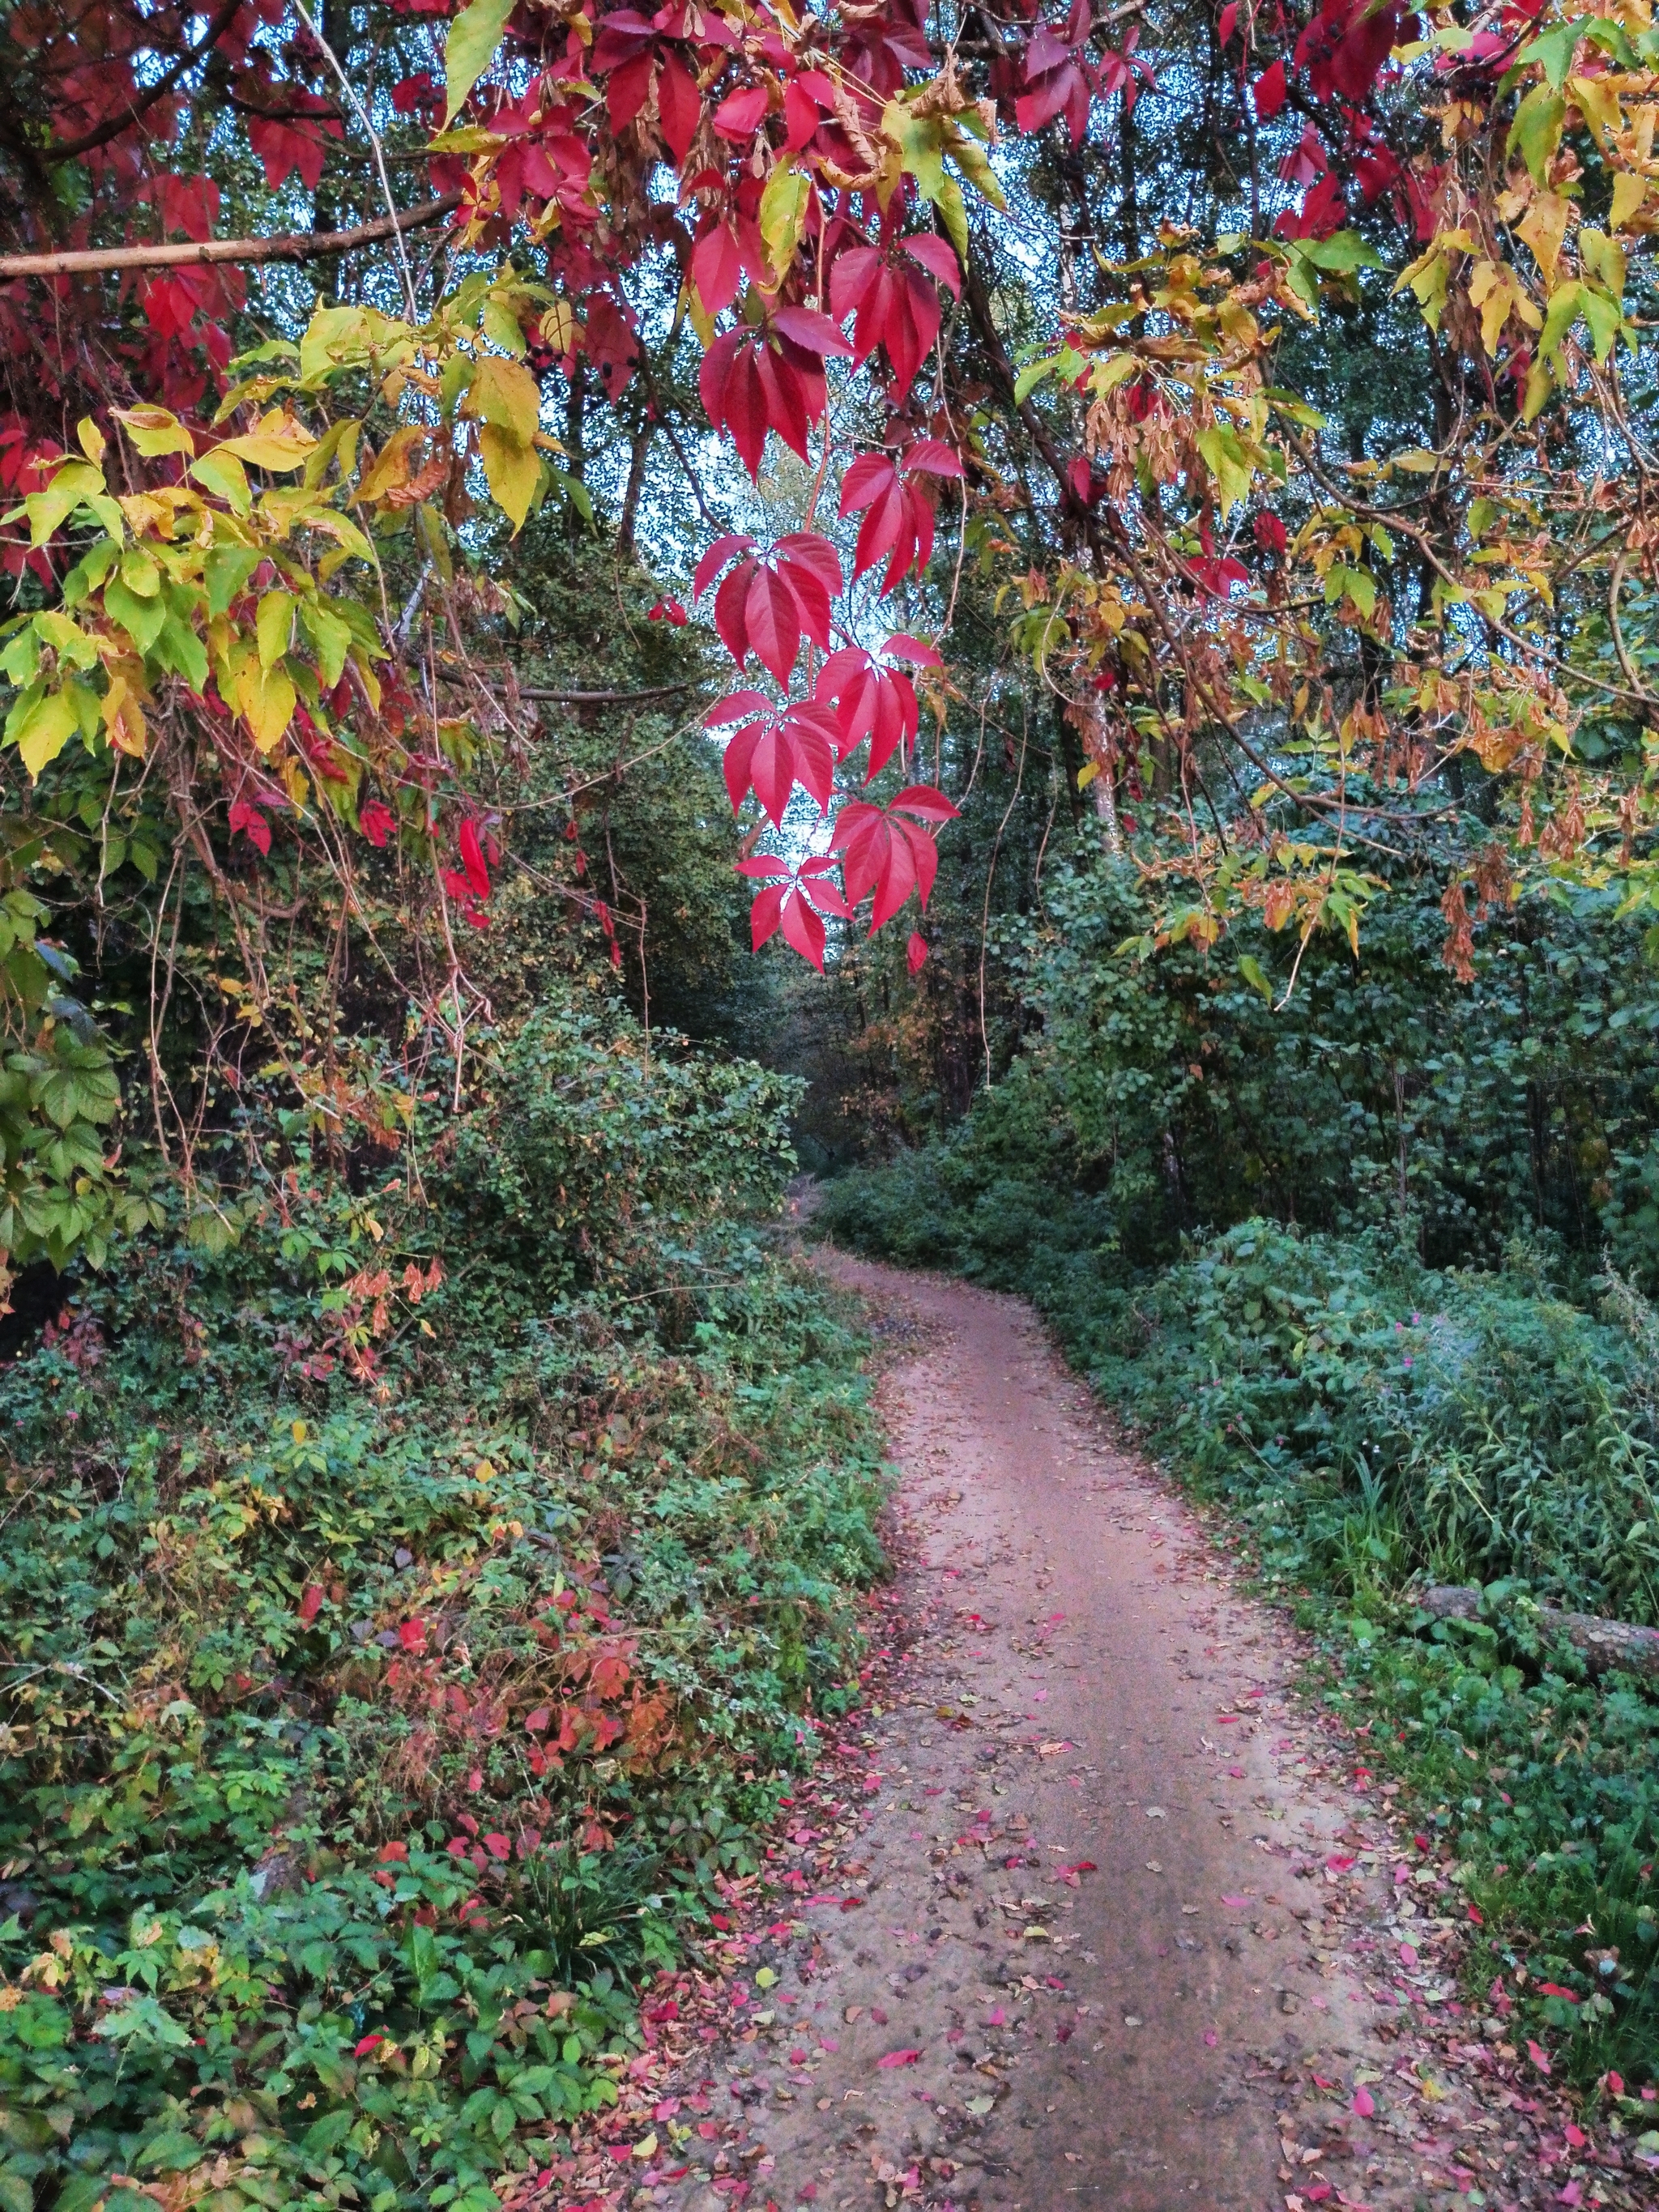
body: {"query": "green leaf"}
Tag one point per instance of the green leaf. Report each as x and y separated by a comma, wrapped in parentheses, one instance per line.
(227, 570)
(1032, 375)
(1250, 969)
(275, 627)
(179, 649)
(330, 637)
(1554, 49)
(1536, 130)
(223, 475)
(142, 619)
(473, 38)
(1341, 253)
(1228, 463)
(67, 639)
(1566, 304)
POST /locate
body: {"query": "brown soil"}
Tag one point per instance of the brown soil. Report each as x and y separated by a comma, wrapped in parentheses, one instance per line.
(1141, 1924)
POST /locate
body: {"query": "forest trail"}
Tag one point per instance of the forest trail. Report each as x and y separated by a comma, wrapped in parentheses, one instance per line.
(1106, 1917)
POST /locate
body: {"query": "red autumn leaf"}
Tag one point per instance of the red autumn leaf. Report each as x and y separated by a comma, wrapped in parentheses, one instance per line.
(376, 821)
(311, 1603)
(916, 952)
(1345, 45)
(716, 267)
(872, 701)
(1226, 24)
(369, 2043)
(679, 105)
(285, 147)
(1271, 535)
(497, 1845)
(472, 861)
(411, 1634)
(246, 821)
(885, 857)
(899, 2058)
(898, 518)
(775, 751)
(764, 607)
(715, 559)
(611, 343)
(892, 302)
(753, 381)
(1270, 92)
(669, 611)
(740, 114)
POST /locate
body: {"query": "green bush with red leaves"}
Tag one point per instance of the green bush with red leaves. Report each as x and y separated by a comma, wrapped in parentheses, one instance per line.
(372, 1734)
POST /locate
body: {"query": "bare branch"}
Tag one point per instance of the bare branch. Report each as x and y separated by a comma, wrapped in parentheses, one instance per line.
(286, 246)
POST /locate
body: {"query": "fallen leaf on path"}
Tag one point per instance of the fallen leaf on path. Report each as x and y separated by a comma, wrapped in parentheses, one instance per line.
(1364, 2103)
(899, 2058)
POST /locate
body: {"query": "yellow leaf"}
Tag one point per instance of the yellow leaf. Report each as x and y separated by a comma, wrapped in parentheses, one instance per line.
(1596, 102)
(153, 431)
(274, 623)
(1543, 229)
(1086, 774)
(277, 442)
(514, 470)
(45, 731)
(1492, 289)
(558, 327)
(782, 212)
(698, 316)
(265, 700)
(92, 440)
(123, 719)
(506, 394)
(1628, 194)
(393, 468)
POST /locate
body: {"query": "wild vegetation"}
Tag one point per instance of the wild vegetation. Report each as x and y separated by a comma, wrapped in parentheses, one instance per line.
(1371, 1270)
(501, 505)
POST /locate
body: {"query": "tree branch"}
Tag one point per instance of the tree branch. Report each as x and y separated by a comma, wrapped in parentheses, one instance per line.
(288, 245)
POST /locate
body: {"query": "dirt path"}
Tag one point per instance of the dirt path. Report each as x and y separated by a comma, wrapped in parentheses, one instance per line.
(1092, 1912)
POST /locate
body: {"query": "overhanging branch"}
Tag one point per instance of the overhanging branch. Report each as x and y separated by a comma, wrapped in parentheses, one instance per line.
(286, 245)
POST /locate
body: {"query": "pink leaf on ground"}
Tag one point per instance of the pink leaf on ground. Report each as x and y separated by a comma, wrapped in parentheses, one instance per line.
(899, 2058)
(1364, 2103)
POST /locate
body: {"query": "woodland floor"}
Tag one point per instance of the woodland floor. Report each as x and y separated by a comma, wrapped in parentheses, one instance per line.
(1090, 1906)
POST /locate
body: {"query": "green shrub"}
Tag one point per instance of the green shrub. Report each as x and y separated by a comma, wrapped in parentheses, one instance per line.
(412, 1599)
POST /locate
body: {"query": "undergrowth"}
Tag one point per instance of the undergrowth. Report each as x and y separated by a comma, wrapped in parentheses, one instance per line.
(410, 1604)
(1373, 1426)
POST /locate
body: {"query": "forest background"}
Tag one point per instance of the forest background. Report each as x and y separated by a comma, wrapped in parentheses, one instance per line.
(1173, 485)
